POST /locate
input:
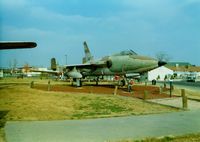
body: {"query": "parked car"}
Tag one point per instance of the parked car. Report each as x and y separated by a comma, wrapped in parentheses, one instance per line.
(191, 78)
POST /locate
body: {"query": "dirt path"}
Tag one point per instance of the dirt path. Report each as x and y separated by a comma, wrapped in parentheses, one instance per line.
(138, 90)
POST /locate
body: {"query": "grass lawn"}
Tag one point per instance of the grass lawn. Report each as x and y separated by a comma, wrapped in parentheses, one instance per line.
(20, 102)
(184, 138)
(24, 103)
(191, 94)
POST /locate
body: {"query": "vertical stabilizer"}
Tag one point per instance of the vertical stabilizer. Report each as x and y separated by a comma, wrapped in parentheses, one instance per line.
(88, 57)
(53, 64)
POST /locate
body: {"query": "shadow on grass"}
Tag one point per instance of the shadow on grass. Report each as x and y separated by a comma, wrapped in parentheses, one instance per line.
(3, 113)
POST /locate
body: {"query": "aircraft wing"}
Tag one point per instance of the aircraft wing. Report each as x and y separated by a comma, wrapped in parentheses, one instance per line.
(46, 71)
(16, 45)
(86, 65)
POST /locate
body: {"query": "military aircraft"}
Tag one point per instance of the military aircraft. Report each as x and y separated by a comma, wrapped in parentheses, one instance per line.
(16, 45)
(123, 63)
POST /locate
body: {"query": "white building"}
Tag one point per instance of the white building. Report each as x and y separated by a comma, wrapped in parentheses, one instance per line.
(1, 74)
(159, 73)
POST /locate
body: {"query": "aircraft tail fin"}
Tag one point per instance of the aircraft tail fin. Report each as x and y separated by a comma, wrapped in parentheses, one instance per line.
(88, 55)
(53, 64)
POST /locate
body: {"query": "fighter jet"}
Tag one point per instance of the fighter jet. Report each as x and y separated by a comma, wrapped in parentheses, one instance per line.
(121, 64)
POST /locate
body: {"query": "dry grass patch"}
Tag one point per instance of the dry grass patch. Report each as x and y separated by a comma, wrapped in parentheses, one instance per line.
(184, 138)
(29, 104)
(107, 106)
(26, 80)
(24, 103)
(192, 94)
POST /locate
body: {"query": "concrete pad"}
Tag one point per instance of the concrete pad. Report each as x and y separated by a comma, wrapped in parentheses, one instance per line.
(102, 130)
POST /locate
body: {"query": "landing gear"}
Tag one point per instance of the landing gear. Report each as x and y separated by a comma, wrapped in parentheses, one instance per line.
(97, 81)
(78, 82)
(122, 82)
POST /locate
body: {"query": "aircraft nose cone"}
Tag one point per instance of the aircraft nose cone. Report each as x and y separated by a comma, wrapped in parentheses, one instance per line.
(161, 63)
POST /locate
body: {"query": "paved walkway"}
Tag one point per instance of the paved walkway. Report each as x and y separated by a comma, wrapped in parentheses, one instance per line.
(101, 130)
(177, 102)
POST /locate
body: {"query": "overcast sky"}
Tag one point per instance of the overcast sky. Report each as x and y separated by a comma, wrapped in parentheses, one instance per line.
(60, 26)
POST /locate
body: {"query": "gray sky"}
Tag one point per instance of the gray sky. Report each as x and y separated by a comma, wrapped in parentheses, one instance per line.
(60, 26)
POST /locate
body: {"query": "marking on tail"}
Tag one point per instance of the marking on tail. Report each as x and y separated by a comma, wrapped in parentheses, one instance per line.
(88, 56)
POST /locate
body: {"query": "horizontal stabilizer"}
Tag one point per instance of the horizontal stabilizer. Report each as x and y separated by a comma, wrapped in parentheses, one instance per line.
(45, 71)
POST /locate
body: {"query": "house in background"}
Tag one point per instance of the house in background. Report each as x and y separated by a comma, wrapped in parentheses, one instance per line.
(179, 70)
(183, 69)
(183, 72)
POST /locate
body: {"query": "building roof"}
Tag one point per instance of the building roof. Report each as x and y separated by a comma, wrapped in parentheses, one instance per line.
(185, 68)
(178, 64)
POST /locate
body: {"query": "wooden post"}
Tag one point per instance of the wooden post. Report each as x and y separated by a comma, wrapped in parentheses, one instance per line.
(49, 85)
(91, 89)
(145, 95)
(165, 86)
(32, 84)
(184, 99)
(161, 89)
(129, 87)
(132, 92)
(145, 82)
(170, 88)
(115, 91)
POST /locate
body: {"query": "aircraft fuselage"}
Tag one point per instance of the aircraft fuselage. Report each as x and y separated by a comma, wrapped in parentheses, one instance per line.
(121, 65)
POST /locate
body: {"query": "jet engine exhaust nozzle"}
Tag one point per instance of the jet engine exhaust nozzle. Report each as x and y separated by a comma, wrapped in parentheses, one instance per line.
(161, 63)
(109, 63)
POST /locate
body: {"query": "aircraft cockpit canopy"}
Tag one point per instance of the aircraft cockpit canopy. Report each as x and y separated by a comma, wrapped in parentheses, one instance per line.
(126, 52)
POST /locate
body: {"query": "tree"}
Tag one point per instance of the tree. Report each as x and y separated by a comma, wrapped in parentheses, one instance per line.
(162, 56)
(26, 68)
(14, 63)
